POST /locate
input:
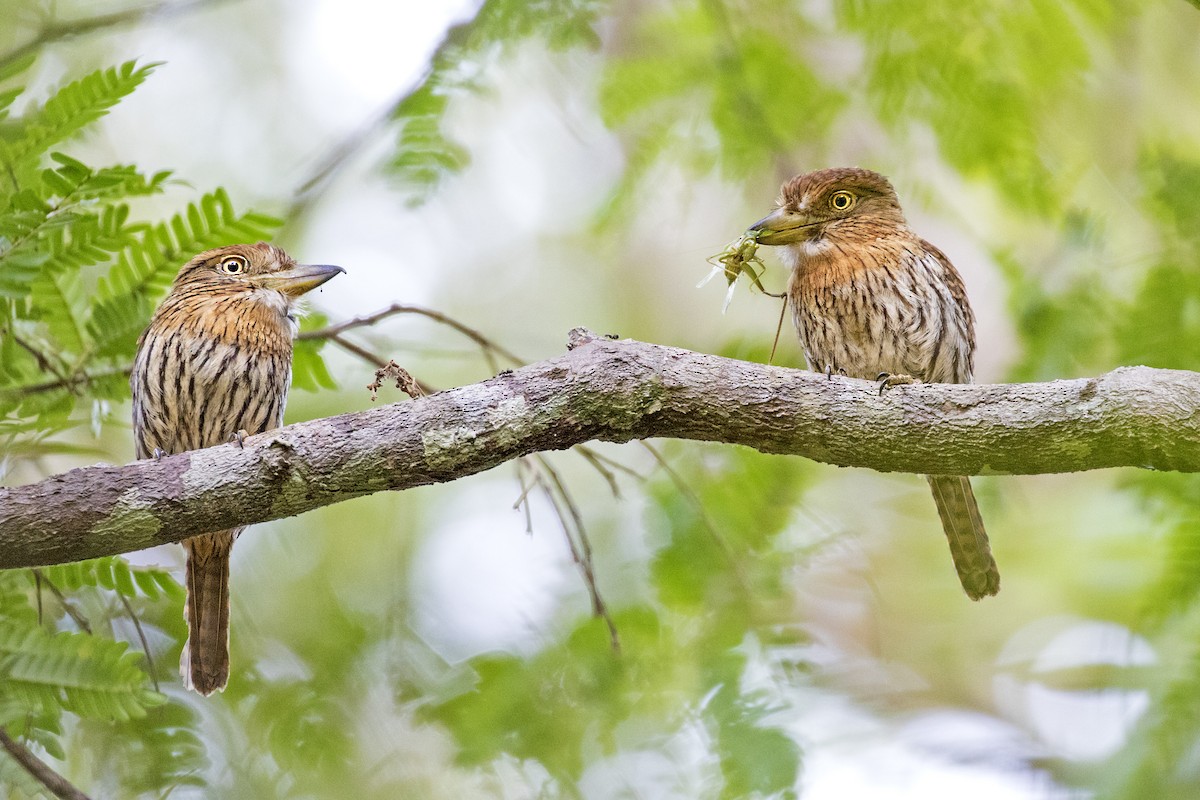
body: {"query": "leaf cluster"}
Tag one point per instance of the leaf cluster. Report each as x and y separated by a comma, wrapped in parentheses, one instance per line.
(425, 153)
(688, 650)
(63, 670)
(78, 276)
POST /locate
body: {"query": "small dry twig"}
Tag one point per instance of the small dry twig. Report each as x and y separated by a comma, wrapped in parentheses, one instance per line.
(404, 381)
(137, 625)
(581, 552)
(489, 347)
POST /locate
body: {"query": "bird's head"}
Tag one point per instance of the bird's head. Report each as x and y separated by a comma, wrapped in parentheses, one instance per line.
(259, 270)
(842, 203)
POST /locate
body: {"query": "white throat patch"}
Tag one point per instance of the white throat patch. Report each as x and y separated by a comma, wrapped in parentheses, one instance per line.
(816, 247)
(277, 301)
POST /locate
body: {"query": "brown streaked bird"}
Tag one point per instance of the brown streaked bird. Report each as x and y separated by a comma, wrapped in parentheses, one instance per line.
(870, 297)
(214, 366)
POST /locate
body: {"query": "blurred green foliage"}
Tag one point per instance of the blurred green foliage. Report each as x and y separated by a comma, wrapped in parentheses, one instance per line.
(1050, 115)
(78, 277)
(425, 153)
(78, 280)
(683, 655)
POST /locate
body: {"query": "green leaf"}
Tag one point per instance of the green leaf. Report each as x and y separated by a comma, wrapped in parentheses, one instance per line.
(9, 71)
(18, 271)
(719, 555)
(72, 108)
(542, 708)
(425, 153)
(114, 325)
(144, 269)
(143, 756)
(14, 598)
(990, 90)
(149, 265)
(303, 728)
(308, 367)
(61, 299)
(700, 87)
(756, 759)
(17, 66)
(73, 181)
(88, 675)
(115, 573)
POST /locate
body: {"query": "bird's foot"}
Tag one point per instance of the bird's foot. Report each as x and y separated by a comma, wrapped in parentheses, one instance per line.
(239, 436)
(887, 380)
(158, 453)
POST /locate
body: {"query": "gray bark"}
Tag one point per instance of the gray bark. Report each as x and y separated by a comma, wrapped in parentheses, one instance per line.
(614, 391)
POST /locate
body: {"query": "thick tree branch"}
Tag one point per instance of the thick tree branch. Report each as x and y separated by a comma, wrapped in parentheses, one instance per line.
(618, 392)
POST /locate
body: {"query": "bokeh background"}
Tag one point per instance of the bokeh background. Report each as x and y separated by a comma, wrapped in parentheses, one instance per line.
(787, 628)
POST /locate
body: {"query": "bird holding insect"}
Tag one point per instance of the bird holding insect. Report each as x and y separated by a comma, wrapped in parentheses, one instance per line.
(871, 299)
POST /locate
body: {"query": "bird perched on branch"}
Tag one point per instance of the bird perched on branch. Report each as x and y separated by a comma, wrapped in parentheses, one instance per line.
(870, 299)
(214, 366)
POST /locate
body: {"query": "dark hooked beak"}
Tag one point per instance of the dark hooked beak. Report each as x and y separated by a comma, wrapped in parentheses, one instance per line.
(300, 279)
(783, 227)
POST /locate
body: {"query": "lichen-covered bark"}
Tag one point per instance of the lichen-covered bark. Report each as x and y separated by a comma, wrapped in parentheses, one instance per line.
(612, 391)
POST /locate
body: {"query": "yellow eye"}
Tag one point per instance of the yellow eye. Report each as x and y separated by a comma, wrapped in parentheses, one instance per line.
(841, 200)
(233, 265)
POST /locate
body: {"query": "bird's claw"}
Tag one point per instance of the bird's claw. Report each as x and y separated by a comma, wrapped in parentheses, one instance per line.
(239, 436)
(158, 453)
(829, 370)
(887, 380)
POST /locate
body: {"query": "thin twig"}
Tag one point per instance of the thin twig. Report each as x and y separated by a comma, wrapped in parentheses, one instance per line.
(488, 345)
(66, 382)
(331, 333)
(364, 321)
(778, 330)
(523, 499)
(80, 620)
(37, 589)
(733, 59)
(706, 522)
(142, 637)
(526, 488)
(53, 31)
(340, 154)
(489, 348)
(568, 516)
(560, 497)
(337, 156)
(374, 359)
(616, 465)
(58, 785)
(594, 459)
(43, 360)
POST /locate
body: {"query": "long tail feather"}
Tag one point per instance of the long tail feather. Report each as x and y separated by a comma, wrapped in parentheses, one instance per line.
(969, 547)
(205, 660)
